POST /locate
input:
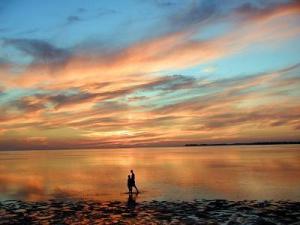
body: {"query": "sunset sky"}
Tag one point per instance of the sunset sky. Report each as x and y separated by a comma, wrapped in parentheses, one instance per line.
(91, 74)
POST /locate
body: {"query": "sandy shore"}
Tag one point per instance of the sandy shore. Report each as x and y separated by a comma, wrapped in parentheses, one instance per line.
(151, 212)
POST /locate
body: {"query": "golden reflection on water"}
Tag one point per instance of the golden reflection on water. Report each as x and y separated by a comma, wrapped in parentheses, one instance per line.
(232, 172)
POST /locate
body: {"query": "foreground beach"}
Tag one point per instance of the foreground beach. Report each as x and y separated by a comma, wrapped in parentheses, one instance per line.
(151, 212)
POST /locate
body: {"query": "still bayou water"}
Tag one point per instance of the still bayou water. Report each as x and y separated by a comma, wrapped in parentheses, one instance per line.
(183, 173)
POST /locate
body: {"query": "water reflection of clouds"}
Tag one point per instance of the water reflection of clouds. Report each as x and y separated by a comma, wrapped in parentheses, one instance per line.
(162, 173)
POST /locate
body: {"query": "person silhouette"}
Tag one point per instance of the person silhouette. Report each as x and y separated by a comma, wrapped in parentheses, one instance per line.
(133, 181)
(129, 184)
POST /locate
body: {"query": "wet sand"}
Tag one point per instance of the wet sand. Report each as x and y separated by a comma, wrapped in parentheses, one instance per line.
(150, 212)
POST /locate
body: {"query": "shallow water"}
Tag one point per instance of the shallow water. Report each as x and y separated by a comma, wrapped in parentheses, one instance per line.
(182, 173)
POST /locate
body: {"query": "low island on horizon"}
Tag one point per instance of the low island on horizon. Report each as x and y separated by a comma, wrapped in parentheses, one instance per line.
(245, 143)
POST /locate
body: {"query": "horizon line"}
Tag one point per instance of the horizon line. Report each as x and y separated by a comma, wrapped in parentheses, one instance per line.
(162, 146)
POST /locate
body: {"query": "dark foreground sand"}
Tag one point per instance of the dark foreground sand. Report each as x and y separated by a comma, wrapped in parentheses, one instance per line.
(152, 212)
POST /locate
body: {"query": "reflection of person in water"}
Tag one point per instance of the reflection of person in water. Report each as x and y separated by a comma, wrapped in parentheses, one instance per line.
(131, 203)
(133, 181)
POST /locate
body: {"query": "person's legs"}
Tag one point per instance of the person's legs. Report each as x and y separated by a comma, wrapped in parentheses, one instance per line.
(129, 189)
(136, 188)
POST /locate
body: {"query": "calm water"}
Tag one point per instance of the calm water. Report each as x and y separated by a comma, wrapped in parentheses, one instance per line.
(233, 172)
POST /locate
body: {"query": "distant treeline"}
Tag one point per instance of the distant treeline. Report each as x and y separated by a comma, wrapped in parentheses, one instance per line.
(247, 143)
